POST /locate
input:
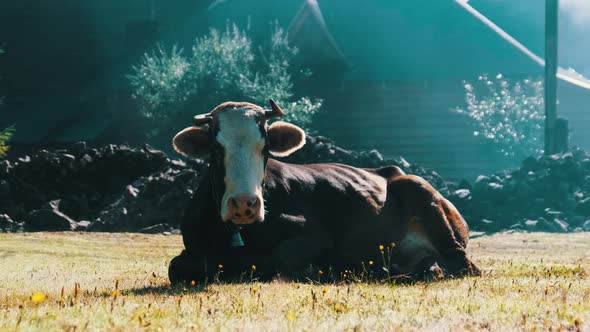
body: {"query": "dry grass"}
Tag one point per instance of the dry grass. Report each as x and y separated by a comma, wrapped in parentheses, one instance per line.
(532, 281)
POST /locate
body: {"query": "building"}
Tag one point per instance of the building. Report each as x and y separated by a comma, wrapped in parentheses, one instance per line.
(389, 71)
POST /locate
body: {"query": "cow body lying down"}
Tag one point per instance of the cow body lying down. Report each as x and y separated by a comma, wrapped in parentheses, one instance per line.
(291, 216)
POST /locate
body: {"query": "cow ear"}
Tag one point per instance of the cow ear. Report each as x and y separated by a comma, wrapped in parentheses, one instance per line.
(193, 142)
(284, 138)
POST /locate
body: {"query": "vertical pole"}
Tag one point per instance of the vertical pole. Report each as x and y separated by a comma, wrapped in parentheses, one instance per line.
(551, 42)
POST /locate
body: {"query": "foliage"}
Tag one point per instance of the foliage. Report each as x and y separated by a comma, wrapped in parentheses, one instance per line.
(508, 115)
(5, 136)
(171, 87)
(532, 282)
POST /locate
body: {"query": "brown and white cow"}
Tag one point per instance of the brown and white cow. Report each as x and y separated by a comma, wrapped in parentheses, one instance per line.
(292, 216)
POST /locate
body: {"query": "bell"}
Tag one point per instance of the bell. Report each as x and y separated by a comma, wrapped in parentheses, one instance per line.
(236, 239)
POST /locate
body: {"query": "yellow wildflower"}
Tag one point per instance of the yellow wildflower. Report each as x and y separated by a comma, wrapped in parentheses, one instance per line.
(381, 247)
(193, 283)
(38, 297)
(253, 267)
(220, 266)
(370, 262)
(290, 316)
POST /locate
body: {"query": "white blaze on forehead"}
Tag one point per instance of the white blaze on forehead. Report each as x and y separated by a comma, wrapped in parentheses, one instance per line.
(240, 136)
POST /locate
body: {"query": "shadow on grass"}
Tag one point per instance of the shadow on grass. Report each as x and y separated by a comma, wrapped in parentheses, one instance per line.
(165, 290)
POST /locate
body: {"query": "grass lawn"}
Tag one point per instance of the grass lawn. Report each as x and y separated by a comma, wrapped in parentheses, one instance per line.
(95, 281)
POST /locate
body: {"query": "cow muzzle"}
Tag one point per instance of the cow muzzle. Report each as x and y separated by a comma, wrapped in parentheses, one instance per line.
(243, 209)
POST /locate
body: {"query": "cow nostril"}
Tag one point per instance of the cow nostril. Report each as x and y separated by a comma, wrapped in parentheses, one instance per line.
(237, 214)
(248, 212)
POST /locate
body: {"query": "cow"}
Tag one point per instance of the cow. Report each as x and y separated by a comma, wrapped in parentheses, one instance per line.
(251, 210)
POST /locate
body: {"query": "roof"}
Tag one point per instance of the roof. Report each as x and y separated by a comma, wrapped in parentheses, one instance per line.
(569, 75)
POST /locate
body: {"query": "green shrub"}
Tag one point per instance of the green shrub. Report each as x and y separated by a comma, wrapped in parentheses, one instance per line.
(507, 115)
(171, 87)
(5, 136)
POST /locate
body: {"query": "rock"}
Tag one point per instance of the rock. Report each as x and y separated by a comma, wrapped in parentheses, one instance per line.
(531, 225)
(575, 221)
(6, 223)
(376, 155)
(482, 179)
(495, 187)
(5, 167)
(561, 225)
(49, 220)
(463, 194)
(82, 225)
(85, 160)
(583, 207)
(543, 225)
(132, 190)
(487, 225)
(78, 148)
(530, 164)
(25, 159)
(155, 229)
(69, 161)
(404, 163)
(52, 205)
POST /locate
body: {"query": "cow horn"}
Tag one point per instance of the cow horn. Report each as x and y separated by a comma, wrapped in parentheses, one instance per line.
(275, 111)
(202, 119)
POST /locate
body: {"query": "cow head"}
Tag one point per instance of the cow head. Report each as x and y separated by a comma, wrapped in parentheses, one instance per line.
(237, 140)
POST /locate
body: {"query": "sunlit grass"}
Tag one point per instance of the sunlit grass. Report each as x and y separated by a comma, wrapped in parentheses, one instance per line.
(118, 282)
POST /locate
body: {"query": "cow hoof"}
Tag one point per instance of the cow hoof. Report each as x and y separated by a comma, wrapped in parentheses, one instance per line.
(433, 273)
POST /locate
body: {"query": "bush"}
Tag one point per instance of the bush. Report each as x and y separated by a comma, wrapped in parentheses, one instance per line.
(5, 136)
(172, 87)
(507, 115)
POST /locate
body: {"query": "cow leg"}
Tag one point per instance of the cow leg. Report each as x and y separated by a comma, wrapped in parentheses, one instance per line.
(187, 267)
(237, 263)
(448, 232)
(294, 255)
(438, 226)
(230, 265)
(435, 221)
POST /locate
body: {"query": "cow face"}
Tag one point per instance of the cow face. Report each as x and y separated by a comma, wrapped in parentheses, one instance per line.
(237, 140)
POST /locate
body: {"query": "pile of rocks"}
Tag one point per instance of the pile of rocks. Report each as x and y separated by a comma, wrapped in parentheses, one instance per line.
(113, 188)
(547, 193)
(118, 188)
